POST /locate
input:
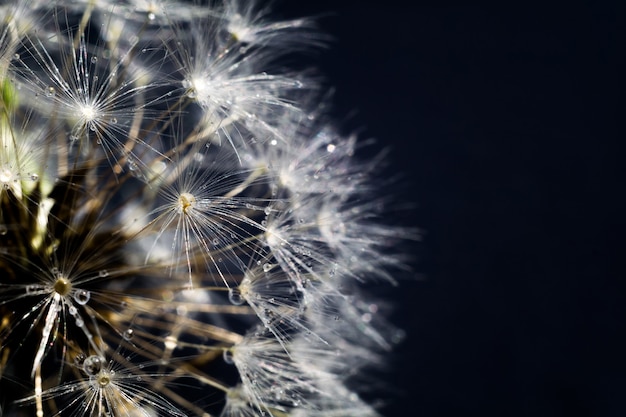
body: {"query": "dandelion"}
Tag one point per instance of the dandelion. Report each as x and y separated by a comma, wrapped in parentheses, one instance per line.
(182, 230)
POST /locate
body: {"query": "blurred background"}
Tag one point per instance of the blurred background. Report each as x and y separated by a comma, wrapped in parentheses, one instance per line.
(504, 123)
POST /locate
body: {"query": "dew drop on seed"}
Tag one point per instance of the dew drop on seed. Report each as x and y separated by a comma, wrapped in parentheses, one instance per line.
(128, 334)
(72, 310)
(151, 16)
(235, 297)
(94, 59)
(79, 359)
(82, 296)
(79, 322)
(16, 56)
(398, 336)
(267, 267)
(50, 91)
(228, 356)
(92, 365)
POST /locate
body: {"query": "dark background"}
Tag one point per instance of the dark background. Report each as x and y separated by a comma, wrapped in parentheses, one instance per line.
(504, 121)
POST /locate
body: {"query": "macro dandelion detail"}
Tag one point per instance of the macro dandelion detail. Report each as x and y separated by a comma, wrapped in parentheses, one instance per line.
(182, 230)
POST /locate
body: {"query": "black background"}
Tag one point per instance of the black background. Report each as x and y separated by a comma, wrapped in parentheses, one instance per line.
(504, 121)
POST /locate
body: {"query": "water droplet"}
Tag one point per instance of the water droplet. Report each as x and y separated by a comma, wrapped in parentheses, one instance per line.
(93, 364)
(192, 94)
(34, 177)
(32, 288)
(72, 310)
(103, 273)
(235, 297)
(267, 267)
(82, 296)
(16, 56)
(79, 359)
(398, 336)
(94, 59)
(3, 229)
(113, 120)
(228, 356)
(151, 16)
(50, 91)
(128, 334)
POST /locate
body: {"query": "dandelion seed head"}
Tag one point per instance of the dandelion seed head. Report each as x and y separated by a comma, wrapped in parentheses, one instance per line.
(172, 198)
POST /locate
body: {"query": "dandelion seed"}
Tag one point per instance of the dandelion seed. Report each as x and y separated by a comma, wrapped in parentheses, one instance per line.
(87, 93)
(108, 388)
(200, 203)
